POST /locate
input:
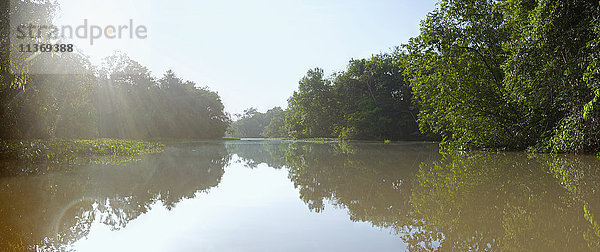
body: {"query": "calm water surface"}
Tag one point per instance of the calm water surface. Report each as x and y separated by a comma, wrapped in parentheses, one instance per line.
(295, 196)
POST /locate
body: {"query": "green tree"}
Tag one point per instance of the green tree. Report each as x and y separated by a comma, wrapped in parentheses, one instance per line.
(551, 72)
(133, 104)
(309, 113)
(370, 100)
(454, 68)
(508, 74)
(374, 100)
(276, 126)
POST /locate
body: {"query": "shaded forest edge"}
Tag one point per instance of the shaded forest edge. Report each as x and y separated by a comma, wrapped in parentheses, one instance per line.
(499, 75)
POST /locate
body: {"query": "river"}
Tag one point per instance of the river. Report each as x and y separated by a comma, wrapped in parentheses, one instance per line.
(275, 195)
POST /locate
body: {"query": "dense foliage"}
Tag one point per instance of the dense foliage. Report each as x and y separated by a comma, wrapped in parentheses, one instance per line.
(119, 99)
(369, 100)
(132, 103)
(514, 74)
(123, 102)
(509, 74)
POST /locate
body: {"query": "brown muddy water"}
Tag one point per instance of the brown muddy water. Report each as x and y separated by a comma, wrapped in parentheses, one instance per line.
(296, 196)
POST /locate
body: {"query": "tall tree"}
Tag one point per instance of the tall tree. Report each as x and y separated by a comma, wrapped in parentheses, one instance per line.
(308, 108)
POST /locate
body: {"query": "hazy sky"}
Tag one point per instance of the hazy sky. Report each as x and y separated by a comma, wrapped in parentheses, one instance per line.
(253, 53)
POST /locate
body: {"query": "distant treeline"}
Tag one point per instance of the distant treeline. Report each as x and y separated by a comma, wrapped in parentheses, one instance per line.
(513, 74)
(118, 99)
(256, 124)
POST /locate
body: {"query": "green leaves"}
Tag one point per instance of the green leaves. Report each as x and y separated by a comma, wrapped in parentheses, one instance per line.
(370, 100)
(310, 108)
(505, 74)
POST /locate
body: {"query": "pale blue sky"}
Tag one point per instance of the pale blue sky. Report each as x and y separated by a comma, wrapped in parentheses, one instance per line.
(253, 53)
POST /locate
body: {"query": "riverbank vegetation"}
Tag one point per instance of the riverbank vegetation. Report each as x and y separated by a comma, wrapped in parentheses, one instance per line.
(62, 149)
(508, 75)
(121, 100)
(256, 124)
(69, 97)
(516, 74)
(370, 100)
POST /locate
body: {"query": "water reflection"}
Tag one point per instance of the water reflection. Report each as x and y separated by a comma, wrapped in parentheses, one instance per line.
(463, 201)
(512, 202)
(54, 209)
(456, 201)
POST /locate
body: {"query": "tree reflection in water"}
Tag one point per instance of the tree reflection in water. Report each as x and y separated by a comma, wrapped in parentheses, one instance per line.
(509, 201)
(461, 201)
(58, 208)
(454, 201)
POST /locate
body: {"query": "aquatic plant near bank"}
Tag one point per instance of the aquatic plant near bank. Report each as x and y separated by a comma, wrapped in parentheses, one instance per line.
(64, 149)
